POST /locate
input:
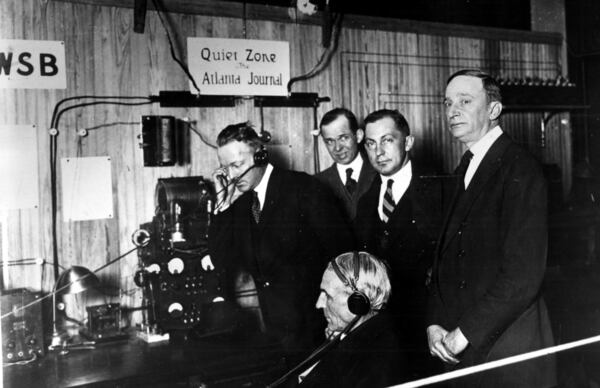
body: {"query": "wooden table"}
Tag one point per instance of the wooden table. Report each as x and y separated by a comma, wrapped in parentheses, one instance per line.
(223, 361)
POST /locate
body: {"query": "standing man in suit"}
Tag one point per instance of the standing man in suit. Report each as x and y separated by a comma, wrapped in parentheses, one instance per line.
(485, 301)
(398, 221)
(349, 177)
(282, 227)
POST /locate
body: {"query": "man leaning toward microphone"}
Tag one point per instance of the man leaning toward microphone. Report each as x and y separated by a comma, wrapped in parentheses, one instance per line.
(279, 226)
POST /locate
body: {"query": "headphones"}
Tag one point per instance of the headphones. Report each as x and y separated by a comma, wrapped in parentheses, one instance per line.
(358, 302)
(261, 157)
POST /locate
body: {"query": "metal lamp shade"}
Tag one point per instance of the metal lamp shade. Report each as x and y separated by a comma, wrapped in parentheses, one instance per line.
(76, 279)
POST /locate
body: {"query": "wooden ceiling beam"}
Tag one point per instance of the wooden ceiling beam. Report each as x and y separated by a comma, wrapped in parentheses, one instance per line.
(252, 11)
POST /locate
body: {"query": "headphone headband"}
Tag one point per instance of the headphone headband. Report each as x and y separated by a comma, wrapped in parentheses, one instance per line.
(358, 302)
(356, 264)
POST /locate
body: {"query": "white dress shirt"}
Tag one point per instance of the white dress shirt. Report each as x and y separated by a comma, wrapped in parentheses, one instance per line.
(355, 165)
(401, 179)
(479, 150)
(261, 188)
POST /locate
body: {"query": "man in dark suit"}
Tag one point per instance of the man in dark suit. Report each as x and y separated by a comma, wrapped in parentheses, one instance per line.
(349, 177)
(398, 220)
(485, 301)
(282, 227)
(368, 354)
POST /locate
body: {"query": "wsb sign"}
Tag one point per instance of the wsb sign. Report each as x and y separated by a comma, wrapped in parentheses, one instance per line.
(32, 64)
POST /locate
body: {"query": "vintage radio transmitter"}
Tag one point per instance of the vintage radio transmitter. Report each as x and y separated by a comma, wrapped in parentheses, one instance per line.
(22, 331)
(179, 293)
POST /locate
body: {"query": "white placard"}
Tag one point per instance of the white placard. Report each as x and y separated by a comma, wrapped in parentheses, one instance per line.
(19, 187)
(86, 188)
(242, 67)
(32, 64)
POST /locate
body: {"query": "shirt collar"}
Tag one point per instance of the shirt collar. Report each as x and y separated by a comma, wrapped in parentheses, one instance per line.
(355, 165)
(405, 173)
(482, 146)
(261, 188)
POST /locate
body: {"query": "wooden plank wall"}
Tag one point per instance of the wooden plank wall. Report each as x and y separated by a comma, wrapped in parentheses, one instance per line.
(372, 69)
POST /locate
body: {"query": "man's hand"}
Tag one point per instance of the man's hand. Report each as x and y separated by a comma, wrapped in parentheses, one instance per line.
(455, 341)
(225, 189)
(437, 348)
(330, 334)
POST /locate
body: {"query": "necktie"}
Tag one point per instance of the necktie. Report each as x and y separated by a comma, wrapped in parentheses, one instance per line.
(350, 183)
(388, 201)
(462, 169)
(255, 207)
(460, 176)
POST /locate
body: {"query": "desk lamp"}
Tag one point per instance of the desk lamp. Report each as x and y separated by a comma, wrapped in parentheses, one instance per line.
(71, 281)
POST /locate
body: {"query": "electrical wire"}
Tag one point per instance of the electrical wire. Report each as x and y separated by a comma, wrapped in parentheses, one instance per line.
(54, 121)
(197, 132)
(232, 182)
(58, 104)
(84, 104)
(39, 300)
(105, 125)
(181, 64)
(24, 362)
(326, 56)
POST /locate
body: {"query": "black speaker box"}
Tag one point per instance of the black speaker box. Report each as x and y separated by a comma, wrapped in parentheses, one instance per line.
(158, 140)
(165, 141)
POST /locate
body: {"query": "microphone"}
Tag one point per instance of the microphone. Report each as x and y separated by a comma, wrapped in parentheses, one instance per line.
(316, 355)
(233, 181)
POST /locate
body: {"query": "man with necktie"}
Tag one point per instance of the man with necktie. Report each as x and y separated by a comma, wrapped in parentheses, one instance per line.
(485, 301)
(280, 226)
(349, 177)
(398, 221)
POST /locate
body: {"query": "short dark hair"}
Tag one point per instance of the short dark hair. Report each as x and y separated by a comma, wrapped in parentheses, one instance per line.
(395, 115)
(242, 132)
(333, 114)
(490, 85)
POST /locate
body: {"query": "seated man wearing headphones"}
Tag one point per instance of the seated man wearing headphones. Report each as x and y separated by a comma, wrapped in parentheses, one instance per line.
(354, 290)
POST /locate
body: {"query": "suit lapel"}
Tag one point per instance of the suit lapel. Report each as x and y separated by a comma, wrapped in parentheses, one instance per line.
(369, 203)
(332, 175)
(486, 170)
(365, 179)
(274, 190)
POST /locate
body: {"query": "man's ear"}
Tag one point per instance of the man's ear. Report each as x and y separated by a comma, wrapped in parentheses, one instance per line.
(408, 142)
(360, 135)
(495, 109)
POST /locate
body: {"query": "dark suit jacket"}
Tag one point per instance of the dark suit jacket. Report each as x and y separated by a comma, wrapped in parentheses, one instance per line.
(368, 357)
(300, 230)
(406, 242)
(490, 265)
(331, 178)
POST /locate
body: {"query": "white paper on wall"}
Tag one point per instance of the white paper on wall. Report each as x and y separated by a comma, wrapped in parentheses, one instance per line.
(19, 179)
(86, 188)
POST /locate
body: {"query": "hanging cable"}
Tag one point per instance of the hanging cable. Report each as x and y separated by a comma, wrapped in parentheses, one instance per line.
(58, 104)
(183, 66)
(202, 138)
(326, 56)
(54, 123)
